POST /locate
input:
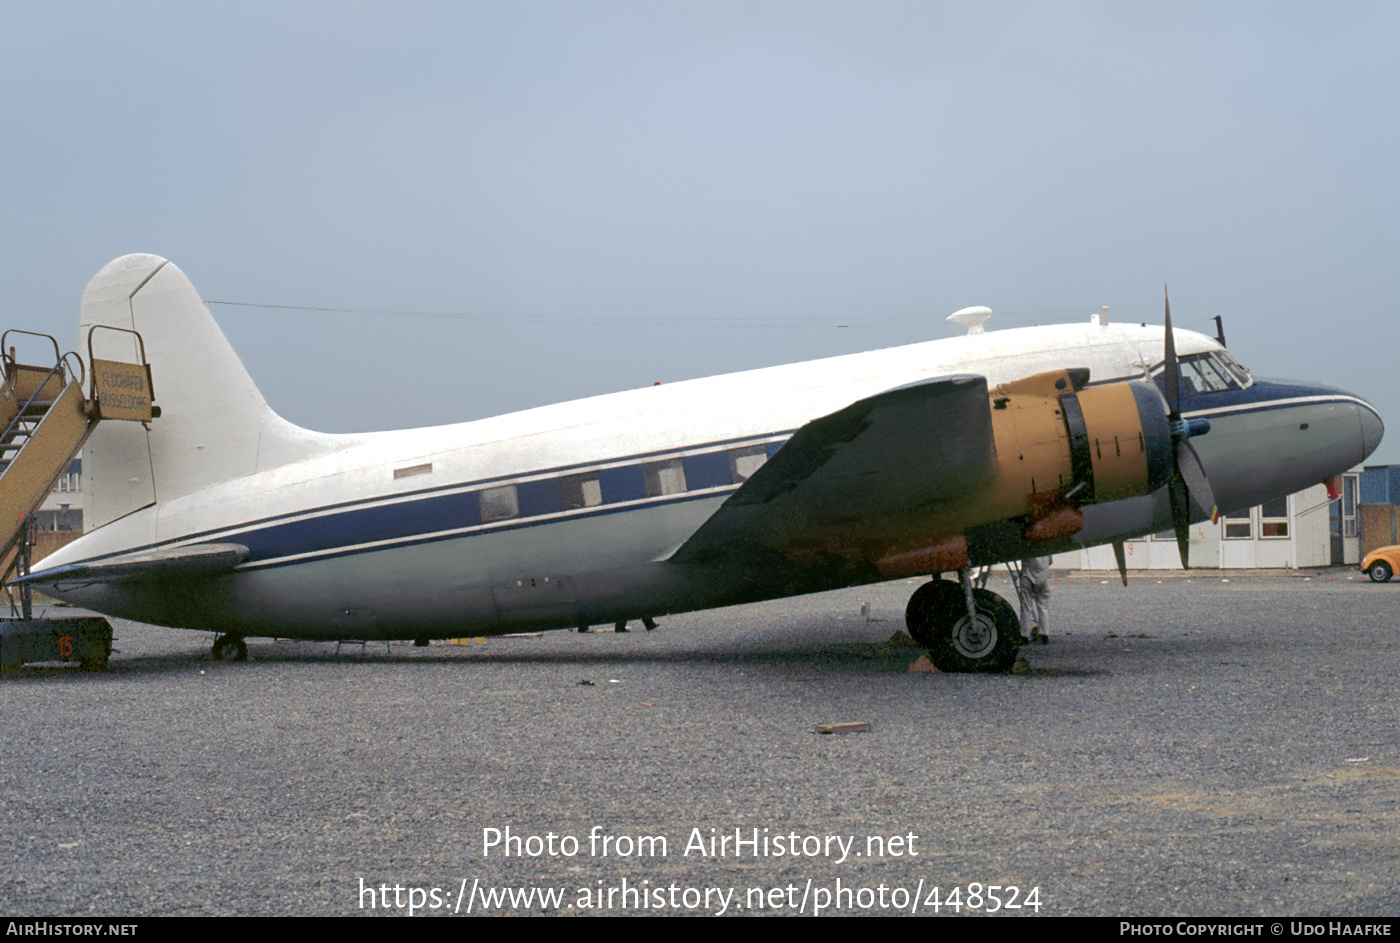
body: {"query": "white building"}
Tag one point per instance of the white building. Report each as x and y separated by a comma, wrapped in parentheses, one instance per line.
(63, 508)
(1306, 529)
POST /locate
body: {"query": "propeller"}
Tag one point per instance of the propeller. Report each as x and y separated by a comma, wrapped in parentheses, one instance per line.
(1188, 482)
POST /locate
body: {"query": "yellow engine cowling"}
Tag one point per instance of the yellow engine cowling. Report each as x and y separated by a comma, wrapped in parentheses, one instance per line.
(1059, 448)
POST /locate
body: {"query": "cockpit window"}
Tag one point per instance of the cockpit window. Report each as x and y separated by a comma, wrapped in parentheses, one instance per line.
(1210, 372)
(1241, 372)
(1200, 373)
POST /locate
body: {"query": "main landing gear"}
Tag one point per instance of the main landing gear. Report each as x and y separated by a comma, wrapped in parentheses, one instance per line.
(964, 628)
(230, 648)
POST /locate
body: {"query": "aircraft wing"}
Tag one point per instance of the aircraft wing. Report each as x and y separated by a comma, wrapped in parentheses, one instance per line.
(193, 560)
(907, 448)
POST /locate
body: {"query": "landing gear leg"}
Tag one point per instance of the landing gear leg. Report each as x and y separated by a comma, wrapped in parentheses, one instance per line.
(964, 628)
(230, 648)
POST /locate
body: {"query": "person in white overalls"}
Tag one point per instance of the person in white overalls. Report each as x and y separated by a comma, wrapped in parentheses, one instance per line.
(1033, 591)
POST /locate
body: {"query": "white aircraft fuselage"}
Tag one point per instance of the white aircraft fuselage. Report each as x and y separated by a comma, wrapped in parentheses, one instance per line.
(573, 514)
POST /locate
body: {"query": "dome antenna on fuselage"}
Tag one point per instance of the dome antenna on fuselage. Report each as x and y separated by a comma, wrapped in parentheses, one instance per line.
(972, 318)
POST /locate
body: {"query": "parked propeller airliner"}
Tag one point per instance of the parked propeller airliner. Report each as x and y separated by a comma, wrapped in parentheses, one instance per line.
(926, 459)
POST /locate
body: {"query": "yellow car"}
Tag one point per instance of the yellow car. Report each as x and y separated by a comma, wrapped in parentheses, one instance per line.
(1382, 563)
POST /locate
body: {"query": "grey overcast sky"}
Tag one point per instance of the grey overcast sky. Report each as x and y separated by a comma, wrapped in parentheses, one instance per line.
(598, 195)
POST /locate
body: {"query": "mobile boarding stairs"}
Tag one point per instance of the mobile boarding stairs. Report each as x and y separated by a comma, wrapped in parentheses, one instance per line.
(46, 418)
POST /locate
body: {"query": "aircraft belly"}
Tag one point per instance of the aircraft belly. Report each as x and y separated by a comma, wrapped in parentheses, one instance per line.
(546, 575)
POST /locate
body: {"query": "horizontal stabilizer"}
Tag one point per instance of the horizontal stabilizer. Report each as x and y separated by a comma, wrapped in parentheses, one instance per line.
(193, 560)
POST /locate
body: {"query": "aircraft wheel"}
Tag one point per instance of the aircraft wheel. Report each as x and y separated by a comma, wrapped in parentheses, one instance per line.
(987, 644)
(230, 648)
(1379, 572)
(921, 614)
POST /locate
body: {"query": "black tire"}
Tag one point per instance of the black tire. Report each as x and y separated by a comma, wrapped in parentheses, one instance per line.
(921, 613)
(229, 648)
(1379, 572)
(987, 645)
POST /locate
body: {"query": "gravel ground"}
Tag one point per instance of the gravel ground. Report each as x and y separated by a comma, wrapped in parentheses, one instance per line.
(1193, 747)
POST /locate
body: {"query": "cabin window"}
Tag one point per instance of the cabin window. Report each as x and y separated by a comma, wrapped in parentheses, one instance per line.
(1273, 519)
(744, 462)
(664, 478)
(497, 504)
(582, 491)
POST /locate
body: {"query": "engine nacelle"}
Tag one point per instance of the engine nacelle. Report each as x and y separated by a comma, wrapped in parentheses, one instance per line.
(1061, 445)
(1120, 442)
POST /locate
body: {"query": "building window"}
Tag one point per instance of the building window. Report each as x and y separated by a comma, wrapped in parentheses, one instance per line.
(1239, 526)
(1273, 519)
(1349, 484)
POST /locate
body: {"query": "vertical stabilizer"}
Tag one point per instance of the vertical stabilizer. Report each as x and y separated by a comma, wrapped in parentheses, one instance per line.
(214, 424)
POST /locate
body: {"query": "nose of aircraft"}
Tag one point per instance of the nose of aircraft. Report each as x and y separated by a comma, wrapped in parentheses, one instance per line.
(1281, 437)
(1371, 427)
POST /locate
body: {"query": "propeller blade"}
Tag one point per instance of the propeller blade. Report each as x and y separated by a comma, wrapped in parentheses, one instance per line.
(1188, 464)
(1188, 489)
(1181, 517)
(1171, 374)
(1121, 555)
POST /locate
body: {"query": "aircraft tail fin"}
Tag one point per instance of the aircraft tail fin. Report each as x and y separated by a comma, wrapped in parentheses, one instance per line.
(214, 424)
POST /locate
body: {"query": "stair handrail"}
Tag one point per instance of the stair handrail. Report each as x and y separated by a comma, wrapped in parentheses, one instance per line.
(10, 361)
(12, 429)
(14, 330)
(81, 368)
(141, 341)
